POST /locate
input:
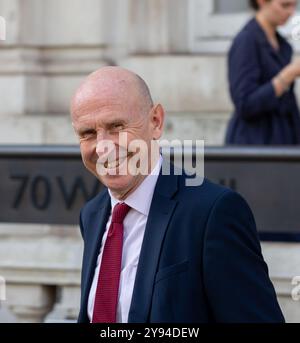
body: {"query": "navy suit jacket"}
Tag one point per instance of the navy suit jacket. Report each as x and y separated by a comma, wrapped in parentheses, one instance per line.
(200, 259)
(260, 117)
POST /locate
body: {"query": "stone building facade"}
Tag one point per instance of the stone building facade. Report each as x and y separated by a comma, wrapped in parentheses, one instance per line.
(178, 46)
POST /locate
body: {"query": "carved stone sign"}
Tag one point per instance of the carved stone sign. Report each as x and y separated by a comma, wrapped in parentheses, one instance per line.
(50, 184)
(44, 186)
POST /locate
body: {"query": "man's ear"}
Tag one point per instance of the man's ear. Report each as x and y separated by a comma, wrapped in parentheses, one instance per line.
(157, 118)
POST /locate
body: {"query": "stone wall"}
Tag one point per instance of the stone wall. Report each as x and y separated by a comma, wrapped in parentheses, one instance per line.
(52, 45)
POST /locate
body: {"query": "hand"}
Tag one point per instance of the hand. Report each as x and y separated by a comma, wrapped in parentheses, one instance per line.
(286, 77)
(295, 67)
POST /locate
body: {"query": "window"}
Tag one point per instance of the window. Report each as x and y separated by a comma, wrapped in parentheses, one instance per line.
(213, 24)
(230, 6)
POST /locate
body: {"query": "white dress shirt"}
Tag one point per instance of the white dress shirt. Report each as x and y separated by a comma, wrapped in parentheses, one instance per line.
(134, 229)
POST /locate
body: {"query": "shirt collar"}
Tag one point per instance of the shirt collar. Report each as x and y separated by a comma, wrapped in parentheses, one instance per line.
(141, 198)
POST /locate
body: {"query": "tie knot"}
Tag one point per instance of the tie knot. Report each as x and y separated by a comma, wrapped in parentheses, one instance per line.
(119, 212)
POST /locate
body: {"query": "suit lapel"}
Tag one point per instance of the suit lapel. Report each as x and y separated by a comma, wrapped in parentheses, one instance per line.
(263, 40)
(96, 227)
(160, 213)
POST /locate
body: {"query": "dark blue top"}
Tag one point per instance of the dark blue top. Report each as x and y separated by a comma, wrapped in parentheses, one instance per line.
(260, 117)
(200, 261)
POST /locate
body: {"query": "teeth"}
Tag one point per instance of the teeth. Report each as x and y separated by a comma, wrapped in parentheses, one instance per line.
(116, 163)
(112, 164)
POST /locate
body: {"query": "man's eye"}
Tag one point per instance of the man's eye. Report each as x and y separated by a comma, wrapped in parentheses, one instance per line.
(117, 127)
(87, 134)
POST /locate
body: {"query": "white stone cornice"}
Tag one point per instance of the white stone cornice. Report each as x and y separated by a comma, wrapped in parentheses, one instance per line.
(51, 61)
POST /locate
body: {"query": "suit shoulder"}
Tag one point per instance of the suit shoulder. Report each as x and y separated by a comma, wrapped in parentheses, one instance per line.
(248, 31)
(246, 38)
(94, 203)
(206, 193)
(222, 193)
(209, 194)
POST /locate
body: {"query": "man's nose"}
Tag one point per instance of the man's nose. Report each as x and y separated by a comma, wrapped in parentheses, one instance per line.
(104, 135)
(105, 146)
(101, 135)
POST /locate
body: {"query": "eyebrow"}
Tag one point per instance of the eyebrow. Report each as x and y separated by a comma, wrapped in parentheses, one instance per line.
(84, 130)
(114, 122)
(108, 125)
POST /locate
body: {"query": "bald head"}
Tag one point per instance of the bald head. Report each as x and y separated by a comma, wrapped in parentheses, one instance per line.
(113, 84)
(112, 112)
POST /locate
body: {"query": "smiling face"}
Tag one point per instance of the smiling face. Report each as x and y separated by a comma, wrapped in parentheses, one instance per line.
(110, 102)
(278, 12)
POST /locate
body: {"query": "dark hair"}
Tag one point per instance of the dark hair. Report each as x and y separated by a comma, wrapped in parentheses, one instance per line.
(253, 4)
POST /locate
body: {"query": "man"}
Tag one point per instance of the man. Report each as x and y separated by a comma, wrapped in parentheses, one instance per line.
(155, 249)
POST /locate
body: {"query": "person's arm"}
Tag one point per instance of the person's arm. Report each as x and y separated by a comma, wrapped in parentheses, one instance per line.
(236, 277)
(251, 97)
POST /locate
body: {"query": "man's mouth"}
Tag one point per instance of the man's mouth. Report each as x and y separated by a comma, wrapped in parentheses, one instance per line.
(116, 163)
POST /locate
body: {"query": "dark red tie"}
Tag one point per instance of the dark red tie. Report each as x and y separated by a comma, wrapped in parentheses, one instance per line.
(106, 300)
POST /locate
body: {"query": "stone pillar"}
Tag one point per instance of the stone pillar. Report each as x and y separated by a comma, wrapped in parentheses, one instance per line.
(30, 303)
(283, 260)
(41, 267)
(159, 26)
(66, 308)
(189, 86)
(51, 45)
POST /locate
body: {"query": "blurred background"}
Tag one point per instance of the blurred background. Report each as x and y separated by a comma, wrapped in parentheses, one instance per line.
(179, 47)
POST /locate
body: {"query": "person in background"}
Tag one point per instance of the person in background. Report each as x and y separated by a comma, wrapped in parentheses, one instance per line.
(261, 78)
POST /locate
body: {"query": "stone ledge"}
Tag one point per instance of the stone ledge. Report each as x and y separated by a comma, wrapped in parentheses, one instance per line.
(283, 259)
(57, 129)
(37, 129)
(43, 276)
(52, 61)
